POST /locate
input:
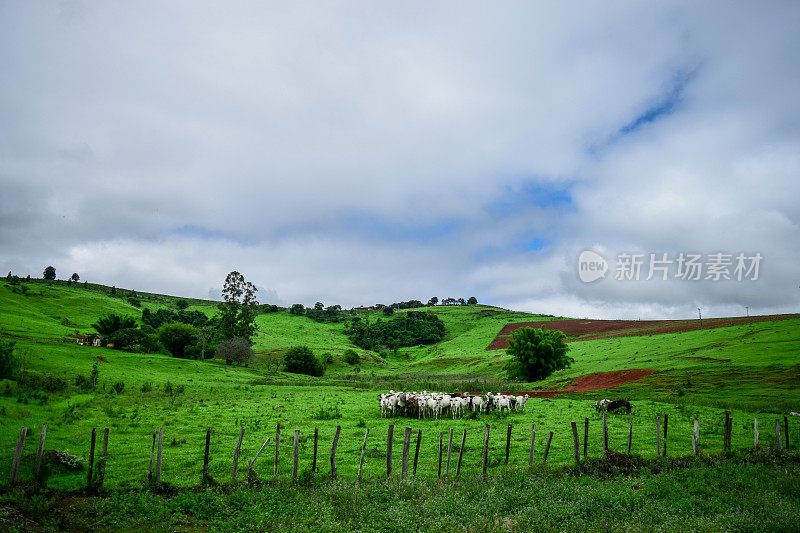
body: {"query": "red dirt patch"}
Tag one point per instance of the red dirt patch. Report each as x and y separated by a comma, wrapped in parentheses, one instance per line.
(102, 360)
(593, 382)
(599, 329)
(710, 359)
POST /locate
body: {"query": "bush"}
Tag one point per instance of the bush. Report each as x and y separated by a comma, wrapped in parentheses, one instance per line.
(8, 363)
(351, 357)
(182, 304)
(536, 353)
(118, 387)
(136, 302)
(108, 324)
(176, 336)
(327, 413)
(147, 386)
(236, 351)
(135, 340)
(34, 381)
(301, 360)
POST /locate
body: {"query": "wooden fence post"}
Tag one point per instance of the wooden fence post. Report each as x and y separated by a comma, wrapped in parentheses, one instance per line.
(547, 447)
(389, 438)
(90, 465)
(755, 432)
(725, 442)
(695, 435)
(18, 454)
(485, 449)
(441, 440)
(314, 461)
(461, 453)
(236, 454)
(658, 436)
(205, 455)
(158, 454)
(605, 434)
(666, 421)
(277, 450)
(786, 430)
(533, 444)
(101, 468)
(630, 436)
(250, 471)
(778, 434)
(508, 441)
(333, 450)
(39, 451)
(363, 451)
(577, 443)
(152, 456)
(729, 431)
(296, 455)
(416, 452)
(406, 446)
(585, 436)
(449, 452)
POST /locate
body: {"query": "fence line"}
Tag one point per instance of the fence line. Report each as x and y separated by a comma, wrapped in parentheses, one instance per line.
(96, 471)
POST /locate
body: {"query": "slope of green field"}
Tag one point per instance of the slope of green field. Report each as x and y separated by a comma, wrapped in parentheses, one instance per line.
(745, 369)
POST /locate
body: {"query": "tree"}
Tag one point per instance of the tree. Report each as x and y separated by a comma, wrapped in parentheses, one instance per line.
(50, 272)
(235, 351)
(297, 309)
(8, 363)
(176, 336)
(433, 301)
(472, 300)
(301, 360)
(239, 310)
(108, 324)
(75, 277)
(182, 304)
(536, 353)
(388, 310)
(462, 301)
(351, 357)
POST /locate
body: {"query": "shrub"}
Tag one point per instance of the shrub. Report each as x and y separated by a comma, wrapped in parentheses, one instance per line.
(351, 357)
(135, 340)
(136, 302)
(118, 387)
(147, 386)
(301, 360)
(182, 304)
(176, 336)
(66, 459)
(108, 324)
(410, 329)
(327, 358)
(235, 351)
(8, 363)
(536, 353)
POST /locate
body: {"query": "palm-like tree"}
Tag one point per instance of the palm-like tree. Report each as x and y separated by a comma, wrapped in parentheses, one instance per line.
(108, 324)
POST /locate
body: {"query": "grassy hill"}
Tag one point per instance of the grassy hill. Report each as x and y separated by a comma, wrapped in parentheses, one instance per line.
(744, 369)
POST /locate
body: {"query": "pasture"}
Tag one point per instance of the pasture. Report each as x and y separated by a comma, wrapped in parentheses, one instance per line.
(751, 370)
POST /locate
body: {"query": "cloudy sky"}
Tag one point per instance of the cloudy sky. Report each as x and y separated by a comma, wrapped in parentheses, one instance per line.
(363, 152)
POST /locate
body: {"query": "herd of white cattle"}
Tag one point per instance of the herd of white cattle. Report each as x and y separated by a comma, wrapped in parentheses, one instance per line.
(435, 404)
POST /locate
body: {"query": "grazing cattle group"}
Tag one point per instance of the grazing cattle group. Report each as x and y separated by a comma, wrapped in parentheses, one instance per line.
(612, 406)
(435, 404)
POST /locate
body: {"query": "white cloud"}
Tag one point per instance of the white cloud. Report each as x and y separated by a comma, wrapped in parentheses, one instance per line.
(357, 153)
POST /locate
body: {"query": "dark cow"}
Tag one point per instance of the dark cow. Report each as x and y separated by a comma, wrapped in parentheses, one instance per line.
(618, 405)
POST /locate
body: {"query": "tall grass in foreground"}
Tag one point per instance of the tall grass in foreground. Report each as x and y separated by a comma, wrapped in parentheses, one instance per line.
(751, 491)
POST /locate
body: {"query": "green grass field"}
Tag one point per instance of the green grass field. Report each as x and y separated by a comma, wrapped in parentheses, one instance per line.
(751, 370)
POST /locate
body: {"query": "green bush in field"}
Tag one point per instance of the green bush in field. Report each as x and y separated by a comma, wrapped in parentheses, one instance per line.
(236, 351)
(301, 360)
(176, 336)
(108, 324)
(536, 353)
(8, 363)
(135, 340)
(351, 357)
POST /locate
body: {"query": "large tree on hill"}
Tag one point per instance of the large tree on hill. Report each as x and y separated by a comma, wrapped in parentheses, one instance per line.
(536, 353)
(237, 318)
(50, 272)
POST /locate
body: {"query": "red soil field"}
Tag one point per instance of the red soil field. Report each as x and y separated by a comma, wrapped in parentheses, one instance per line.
(593, 382)
(598, 329)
